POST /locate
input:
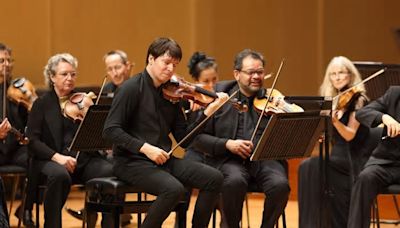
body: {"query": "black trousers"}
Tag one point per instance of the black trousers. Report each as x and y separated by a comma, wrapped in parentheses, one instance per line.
(270, 176)
(167, 183)
(59, 181)
(311, 201)
(194, 156)
(370, 181)
(18, 155)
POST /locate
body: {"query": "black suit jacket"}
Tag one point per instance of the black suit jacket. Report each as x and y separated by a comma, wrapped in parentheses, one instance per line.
(221, 127)
(45, 127)
(388, 150)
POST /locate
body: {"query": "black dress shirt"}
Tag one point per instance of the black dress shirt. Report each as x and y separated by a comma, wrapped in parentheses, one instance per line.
(139, 114)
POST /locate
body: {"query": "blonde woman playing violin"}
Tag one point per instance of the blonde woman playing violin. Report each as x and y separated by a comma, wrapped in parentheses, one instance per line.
(348, 153)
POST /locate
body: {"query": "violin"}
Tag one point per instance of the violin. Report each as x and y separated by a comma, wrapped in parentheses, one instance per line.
(178, 89)
(345, 98)
(22, 91)
(274, 103)
(77, 105)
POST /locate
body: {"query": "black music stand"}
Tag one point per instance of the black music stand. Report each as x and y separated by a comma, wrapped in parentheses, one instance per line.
(294, 135)
(88, 137)
(289, 135)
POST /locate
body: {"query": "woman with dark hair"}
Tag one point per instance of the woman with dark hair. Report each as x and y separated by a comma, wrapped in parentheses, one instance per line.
(204, 71)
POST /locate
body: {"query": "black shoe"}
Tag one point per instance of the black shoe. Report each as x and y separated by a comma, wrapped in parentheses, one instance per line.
(26, 217)
(76, 214)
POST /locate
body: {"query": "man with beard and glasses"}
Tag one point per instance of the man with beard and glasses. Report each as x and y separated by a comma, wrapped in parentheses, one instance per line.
(226, 139)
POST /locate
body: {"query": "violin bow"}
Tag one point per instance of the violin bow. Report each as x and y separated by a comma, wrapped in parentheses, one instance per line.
(101, 90)
(4, 92)
(268, 97)
(4, 95)
(379, 72)
(199, 125)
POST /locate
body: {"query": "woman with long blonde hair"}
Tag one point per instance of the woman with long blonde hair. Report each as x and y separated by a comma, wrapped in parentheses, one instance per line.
(348, 152)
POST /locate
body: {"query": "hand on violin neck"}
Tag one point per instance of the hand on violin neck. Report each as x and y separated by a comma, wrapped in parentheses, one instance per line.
(216, 104)
(194, 107)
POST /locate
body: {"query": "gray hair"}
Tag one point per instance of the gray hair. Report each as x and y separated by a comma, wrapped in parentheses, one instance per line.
(121, 54)
(52, 64)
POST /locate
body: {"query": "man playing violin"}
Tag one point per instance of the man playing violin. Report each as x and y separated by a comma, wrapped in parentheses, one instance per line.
(11, 151)
(226, 139)
(139, 124)
(50, 130)
(382, 168)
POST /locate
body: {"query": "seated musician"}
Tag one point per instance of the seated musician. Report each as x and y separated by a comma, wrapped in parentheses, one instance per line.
(11, 150)
(347, 152)
(118, 69)
(226, 139)
(382, 169)
(51, 130)
(139, 124)
(203, 70)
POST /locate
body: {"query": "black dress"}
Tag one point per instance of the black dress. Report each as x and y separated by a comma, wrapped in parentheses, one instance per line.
(346, 160)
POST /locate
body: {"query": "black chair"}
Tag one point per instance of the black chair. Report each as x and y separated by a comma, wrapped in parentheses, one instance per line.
(15, 173)
(393, 190)
(107, 194)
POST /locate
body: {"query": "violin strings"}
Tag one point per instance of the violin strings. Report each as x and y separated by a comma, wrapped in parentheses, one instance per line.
(266, 103)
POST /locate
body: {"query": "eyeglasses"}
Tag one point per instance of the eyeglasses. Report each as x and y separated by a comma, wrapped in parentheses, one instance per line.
(65, 74)
(253, 72)
(3, 60)
(340, 74)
